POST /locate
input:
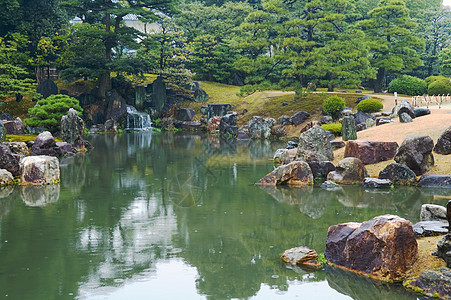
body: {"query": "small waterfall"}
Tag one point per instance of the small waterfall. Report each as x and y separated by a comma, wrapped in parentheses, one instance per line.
(137, 120)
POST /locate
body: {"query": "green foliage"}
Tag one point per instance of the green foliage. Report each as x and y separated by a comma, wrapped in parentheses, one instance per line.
(431, 79)
(335, 128)
(48, 112)
(333, 105)
(408, 85)
(440, 86)
(445, 59)
(369, 105)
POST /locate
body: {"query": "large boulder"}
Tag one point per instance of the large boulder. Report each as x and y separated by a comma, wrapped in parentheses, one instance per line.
(73, 129)
(295, 173)
(360, 99)
(44, 144)
(8, 161)
(213, 123)
(375, 183)
(18, 148)
(430, 228)
(47, 88)
(384, 247)
(416, 153)
(444, 249)
(361, 117)
(371, 152)
(405, 107)
(399, 174)
(185, 114)
(116, 106)
(405, 118)
(216, 110)
(435, 181)
(419, 112)
(433, 212)
(284, 156)
(14, 127)
(320, 169)
(314, 145)
(299, 117)
(278, 131)
(159, 96)
(39, 170)
(348, 130)
(227, 125)
(348, 171)
(260, 128)
(433, 283)
(443, 145)
(140, 97)
(6, 177)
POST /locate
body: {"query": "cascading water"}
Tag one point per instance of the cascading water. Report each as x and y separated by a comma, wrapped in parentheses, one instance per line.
(137, 120)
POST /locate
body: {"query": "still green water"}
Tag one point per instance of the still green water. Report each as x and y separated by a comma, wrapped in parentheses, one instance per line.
(160, 216)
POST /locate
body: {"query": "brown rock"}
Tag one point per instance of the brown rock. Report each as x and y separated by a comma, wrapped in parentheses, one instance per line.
(371, 152)
(416, 153)
(348, 171)
(295, 173)
(213, 123)
(384, 247)
(298, 255)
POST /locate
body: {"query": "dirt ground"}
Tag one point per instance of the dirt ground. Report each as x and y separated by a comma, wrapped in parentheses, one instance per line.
(432, 125)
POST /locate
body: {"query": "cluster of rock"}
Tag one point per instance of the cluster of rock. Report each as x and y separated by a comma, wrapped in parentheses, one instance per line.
(37, 162)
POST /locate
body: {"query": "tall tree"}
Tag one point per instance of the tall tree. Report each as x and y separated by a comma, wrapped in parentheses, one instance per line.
(111, 15)
(393, 47)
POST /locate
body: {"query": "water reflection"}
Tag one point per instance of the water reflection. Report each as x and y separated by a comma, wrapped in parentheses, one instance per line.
(140, 206)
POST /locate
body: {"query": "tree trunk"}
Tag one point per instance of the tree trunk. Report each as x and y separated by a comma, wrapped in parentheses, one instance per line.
(379, 84)
(104, 81)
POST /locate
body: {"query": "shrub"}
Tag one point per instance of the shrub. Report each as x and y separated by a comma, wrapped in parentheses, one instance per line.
(48, 112)
(431, 79)
(333, 105)
(369, 105)
(440, 86)
(335, 128)
(408, 85)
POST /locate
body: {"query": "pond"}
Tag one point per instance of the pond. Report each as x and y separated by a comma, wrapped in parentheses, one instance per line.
(169, 216)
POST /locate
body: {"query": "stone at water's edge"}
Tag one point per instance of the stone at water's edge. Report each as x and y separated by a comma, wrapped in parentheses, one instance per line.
(314, 145)
(430, 228)
(116, 106)
(39, 170)
(8, 161)
(376, 183)
(215, 110)
(2, 132)
(18, 148)
(227, 125)
(73, 129)
(416, 153)
(44, 144)
(435, 181)
(384, 247)
(260, 128)
(284, 156)
(295, 173)
(298, 255)
(6, 177)
(185, 114)
(443, 145)
(433, 283)
(348, 171)
(348, 131)
(433, 212)
(371, 152)
(159, 96)
(320, 169)
(399, 174)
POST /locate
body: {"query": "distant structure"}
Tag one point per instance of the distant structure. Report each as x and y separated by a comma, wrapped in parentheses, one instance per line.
(133, 22)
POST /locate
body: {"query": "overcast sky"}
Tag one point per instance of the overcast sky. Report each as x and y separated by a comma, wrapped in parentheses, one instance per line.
(447, 2)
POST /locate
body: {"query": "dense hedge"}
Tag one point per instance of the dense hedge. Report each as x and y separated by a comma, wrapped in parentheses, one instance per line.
(369, 105)
(333, 105)
(408, 85)
(335, 128)
(48, 112)
(440, 86)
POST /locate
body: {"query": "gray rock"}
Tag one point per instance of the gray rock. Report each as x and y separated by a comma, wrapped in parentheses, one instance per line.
(369, 122)
(359, 99)
(348, 128)
(6, 117)
(215, 110)
(435, 181)
(18, 148)
(419, 112)
(44, 144)
(6, 177)
(382, 121)
(433, 212)
(376, 183)
(299, 117)
(295, 173)
(416, 153)
(260, 128)
(64, 149)
(8, 161)
(444, 249)
(320, 169)
(337, 144)
(116, 106)
(329, 185)
(278, 131)
(73, 129)
(358, 91)
(443, 145)
(47, 88)
(14, 127)
(406, 107)
(140, 97)
(430, 228)
(284, 121)
(405, 118)
(39, 170)
(348, 171)
(326, 120)
(185, 114)
(434, 284)
(2, 132)
(399, 174)
(346, 112)
(360, 127)
(159, 96)
(314, 145)
(227, 125)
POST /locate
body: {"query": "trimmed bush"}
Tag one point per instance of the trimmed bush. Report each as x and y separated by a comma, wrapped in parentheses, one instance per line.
(369, 105)
(431, 79)
(333, 105)
(440, 86)
(335, 128)
(48, 112)
(408, 85)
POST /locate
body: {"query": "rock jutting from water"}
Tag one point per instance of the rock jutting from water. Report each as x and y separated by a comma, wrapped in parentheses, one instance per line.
(348, 171)
(399, 174)
(260, 128)
(39, 170)
(300, 256)
(73, 129)
(296, 173)
(435, 181)
(6, 177)
(8, 160)
(384, 247)
(314, 146)
(433, 283)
